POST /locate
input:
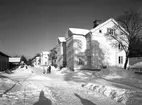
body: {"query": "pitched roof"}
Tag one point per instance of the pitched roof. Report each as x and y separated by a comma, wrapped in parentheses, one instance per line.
(107, 21)
(62, 39)
(78, 31)
(1, 53)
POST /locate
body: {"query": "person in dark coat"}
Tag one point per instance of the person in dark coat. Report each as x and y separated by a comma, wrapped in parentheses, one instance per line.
(49, 69)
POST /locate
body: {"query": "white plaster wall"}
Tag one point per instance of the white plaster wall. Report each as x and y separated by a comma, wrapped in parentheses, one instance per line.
(44, 59)
(111, 53)
(121, 53)
(59, 54)
(69, 52)
(70, 45)
(83, 40)
(83, 49)
(37, 60)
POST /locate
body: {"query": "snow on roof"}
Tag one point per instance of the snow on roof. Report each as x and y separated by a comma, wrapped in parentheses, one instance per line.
(45, 52)
(62, 39)
(79, 31)
(14, 59)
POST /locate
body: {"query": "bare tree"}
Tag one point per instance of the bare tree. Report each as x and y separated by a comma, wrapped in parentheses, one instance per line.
(97, 55)
(131, 21)
(24, 59)
(53, 56)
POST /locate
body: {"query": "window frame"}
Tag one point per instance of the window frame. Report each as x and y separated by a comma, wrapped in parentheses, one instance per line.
(120, 59)
(111, 31)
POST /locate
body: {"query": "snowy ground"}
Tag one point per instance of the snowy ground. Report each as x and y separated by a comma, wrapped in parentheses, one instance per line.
(118, 84)
(27, 88)
(61, 87)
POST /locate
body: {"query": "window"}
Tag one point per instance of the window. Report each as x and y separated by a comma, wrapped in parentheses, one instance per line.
(119, 46)
(100, 31)
(111, 31)
(45, 63)
(69, 44)
(120, 59)
(80, 61)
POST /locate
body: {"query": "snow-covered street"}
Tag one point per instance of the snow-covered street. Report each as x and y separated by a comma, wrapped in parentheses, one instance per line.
(49, 89)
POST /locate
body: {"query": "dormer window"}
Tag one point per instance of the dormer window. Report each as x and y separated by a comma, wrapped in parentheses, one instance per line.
(111, 31)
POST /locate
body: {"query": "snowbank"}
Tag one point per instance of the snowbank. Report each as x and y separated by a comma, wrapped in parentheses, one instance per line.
(112, 76)
(63, 71)
(29, 91)
(124, 96)
(40, 78)
(23, 70)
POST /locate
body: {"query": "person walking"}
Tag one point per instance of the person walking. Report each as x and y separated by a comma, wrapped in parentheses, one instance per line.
(49, 69)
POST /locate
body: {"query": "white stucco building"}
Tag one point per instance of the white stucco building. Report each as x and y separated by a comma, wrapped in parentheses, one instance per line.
(61, 52)
(37, 61)
(91, 49)
(44, 58)
(112, 54)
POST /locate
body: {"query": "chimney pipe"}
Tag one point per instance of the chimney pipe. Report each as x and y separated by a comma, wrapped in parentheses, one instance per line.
(96, 23)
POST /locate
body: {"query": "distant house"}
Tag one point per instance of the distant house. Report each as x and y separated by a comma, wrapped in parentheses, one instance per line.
(14, 61)
(4, 61)
(44, 58)
(37, 61)
(91, 49)
(61, 52)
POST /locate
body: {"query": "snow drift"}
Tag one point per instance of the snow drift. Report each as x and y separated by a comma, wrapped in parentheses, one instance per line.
(127, 97)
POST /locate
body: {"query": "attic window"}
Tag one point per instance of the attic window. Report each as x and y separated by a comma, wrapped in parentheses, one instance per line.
(100, 31)
(119, 47)
(111, 31)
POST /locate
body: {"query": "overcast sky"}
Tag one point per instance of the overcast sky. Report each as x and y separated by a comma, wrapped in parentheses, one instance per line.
(31, 26)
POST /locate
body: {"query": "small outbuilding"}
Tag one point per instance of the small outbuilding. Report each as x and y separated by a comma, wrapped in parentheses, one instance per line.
(14, 62)
(4, 61)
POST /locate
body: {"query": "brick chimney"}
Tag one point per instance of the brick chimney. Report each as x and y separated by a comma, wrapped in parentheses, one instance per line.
(96, 23)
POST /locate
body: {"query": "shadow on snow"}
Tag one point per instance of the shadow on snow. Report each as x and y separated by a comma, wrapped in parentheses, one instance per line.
(43, 100)
(84, 101)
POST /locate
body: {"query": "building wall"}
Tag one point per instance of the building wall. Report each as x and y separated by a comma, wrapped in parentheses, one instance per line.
(58, 55)
(76, 49)
(37, 61)
(101, 52)
(64, 54)
(44, 58)
(110, 53)
(88, 51)
(61, 54)
(4, 62)
(95, 49)
(79, 48)
(70, 53)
